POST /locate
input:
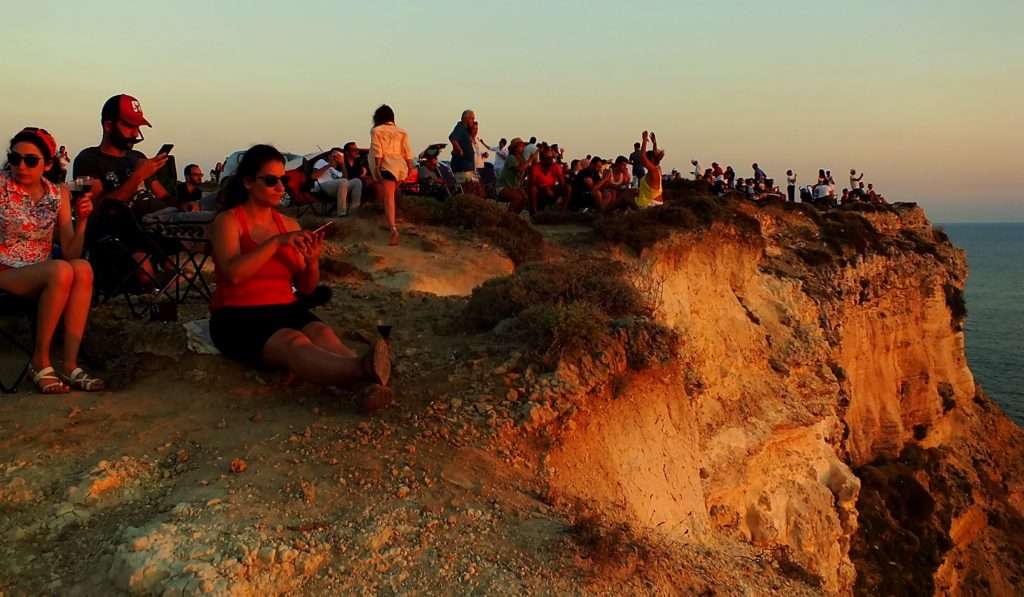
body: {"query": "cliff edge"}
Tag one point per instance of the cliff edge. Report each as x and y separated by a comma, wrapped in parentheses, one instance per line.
(711, 397)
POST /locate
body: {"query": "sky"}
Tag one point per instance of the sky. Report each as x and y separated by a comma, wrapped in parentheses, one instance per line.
(923, 96)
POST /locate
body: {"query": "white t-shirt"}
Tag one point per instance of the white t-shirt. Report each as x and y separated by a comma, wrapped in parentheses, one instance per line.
(697, 172)
(528, 151)
(478, 154)
(500, 155)
(329, 174)
(821, 191)
(791, 180)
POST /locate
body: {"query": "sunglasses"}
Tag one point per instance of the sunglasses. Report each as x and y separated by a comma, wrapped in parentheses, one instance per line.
(15, 159)
(271, 181)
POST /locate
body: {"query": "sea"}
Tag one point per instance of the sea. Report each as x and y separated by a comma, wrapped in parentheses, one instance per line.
(995, 309)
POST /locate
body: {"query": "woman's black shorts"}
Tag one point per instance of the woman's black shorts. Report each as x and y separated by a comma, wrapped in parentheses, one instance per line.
(387, 175)
(241, 332)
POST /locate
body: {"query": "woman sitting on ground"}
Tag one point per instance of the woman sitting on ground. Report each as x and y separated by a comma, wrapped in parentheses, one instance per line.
(649, 193)
(390, 161)
(31, 210)
(259, 255)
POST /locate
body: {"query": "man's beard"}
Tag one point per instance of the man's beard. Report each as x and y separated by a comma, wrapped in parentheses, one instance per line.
(122, 142)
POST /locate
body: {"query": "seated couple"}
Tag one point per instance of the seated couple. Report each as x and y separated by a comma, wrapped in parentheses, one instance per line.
(260, 254)
(34, 213)
(343, 174)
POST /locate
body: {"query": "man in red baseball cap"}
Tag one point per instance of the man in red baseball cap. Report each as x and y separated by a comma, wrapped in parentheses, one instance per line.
(127, 174)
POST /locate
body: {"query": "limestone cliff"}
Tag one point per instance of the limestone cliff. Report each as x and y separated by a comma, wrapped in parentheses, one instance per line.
(819, 378)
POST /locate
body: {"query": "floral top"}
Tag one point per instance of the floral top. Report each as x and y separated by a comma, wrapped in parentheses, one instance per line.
(26, 226)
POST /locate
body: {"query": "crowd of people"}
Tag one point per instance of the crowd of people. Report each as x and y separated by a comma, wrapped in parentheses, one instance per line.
(265, 262)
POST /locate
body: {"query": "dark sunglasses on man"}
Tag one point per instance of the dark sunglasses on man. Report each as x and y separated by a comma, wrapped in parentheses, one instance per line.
(15, 159)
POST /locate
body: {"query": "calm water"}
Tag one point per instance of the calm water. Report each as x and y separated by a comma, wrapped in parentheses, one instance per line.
(995, 309)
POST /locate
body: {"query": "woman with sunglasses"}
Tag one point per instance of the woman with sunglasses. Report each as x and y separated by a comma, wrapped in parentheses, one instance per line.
(390, 161)
(260, 254)
(33, 214)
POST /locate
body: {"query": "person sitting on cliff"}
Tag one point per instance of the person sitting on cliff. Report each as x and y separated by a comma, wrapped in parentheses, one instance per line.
(33, 213)
(547, 182)
(613, 190)
(873, 196)
(259, 254)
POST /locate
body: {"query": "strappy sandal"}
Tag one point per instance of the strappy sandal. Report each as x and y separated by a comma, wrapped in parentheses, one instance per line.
(80, 380)
(48, 382)
(377, 363)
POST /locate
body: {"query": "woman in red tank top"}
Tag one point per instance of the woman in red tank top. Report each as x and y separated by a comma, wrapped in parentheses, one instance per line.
(260, 256)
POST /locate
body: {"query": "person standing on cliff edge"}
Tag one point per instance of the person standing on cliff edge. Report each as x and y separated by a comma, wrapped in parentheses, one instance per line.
(791, 186)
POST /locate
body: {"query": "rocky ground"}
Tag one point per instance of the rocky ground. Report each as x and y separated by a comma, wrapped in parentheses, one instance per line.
(197, 476)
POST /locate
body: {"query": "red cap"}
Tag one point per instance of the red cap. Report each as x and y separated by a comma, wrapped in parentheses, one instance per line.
(44, 136)
(131, 111)
(126, 108)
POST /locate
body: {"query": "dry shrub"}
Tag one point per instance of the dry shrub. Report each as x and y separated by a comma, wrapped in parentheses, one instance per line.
(844, 229)
(608, 545)
(648, 343)
(600, 282)
(557, 331)
(557, 217)
(517, 238)
(643, 228)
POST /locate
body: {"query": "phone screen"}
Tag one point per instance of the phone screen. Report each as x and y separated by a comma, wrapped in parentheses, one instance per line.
(165, 149)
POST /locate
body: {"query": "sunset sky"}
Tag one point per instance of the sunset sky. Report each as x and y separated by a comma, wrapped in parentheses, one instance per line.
(924, 96)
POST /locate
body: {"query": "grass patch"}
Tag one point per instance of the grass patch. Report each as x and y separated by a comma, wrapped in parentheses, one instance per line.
(600, 282)
(845, 229)
(690, 211)
(519, 241)
(570, 309)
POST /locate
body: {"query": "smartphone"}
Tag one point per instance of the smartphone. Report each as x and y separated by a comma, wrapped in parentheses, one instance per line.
(165, 149)
(324, 227)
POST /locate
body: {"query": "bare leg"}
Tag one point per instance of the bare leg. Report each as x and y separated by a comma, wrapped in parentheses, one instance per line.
(294, 351)
(77, 312)
(388, 188)
(51, 282)
(323, 336)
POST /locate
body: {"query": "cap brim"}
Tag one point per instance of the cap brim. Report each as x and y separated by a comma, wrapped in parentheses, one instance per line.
(137, 121)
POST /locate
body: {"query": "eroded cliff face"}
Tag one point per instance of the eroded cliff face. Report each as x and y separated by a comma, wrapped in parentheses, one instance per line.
(811, 358)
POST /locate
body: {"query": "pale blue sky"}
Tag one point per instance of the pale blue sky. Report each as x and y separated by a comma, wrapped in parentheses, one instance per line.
(923, 96)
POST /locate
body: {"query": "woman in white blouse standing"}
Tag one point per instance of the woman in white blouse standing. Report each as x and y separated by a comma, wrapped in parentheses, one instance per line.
(390, 160)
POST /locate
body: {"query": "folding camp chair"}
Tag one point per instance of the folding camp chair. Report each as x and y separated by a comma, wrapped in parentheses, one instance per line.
(300, 190)
(454, 188)
(19, 309)
(190, 231)
(118, 252)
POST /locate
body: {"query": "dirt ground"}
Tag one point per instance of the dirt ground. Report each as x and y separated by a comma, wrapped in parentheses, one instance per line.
(197, 476)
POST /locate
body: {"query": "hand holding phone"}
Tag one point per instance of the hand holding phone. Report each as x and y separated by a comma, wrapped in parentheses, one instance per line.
(165, 149)
(324, 227)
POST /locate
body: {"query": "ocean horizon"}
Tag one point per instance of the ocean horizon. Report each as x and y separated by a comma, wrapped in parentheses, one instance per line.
(995, 308)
